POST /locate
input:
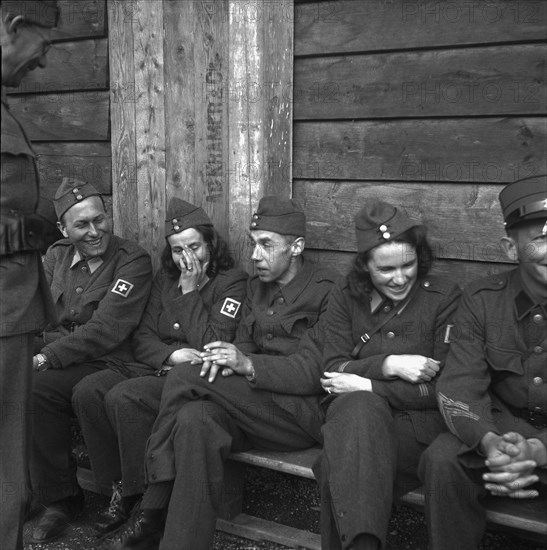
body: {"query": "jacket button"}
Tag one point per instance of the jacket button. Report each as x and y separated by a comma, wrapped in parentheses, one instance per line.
(387, 309)
(152, 456)
(84, 269)
(269, 336)
(176, 326)
(72, 312)
(270, 312)
(390, 334)
(537, 318)
(537, 381)
(79, 290)
(341, 514)
(280, 300)
(538, 349)
(427, 284)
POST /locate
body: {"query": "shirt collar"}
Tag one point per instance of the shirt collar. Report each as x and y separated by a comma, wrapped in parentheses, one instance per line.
(93, 264)
(297, 284)
(524, 303)
(376, 301)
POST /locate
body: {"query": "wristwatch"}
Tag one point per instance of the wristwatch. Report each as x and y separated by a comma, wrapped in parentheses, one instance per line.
(42, 362)
(251, 377)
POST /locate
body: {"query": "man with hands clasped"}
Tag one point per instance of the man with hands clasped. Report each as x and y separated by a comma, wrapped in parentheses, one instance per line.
(262, 391)
(493, 389)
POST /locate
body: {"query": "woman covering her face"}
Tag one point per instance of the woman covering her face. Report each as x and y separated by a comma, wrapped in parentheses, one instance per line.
(388, 332)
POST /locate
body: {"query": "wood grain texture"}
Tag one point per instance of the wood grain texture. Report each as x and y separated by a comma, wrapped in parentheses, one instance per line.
(122, 113)
(73, 116)
(464, 221)
(496, 80)
(80, 19)
(86, 161)
(490, 150)
(150, 125)
(71, 66)
(348, 26)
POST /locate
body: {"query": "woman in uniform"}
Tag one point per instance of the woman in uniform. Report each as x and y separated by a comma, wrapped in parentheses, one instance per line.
(196, 298)
(389, 324)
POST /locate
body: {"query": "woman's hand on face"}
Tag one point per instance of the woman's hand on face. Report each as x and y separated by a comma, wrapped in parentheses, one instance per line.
(183, 355)
(192, 272)
(342, 382)
(412, 368)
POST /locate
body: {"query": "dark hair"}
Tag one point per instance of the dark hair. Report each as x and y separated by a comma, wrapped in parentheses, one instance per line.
(220, 258)
(359, 282)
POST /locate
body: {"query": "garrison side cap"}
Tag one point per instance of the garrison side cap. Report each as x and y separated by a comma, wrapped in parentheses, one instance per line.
(182, 215)
(279, 215)
(523, 200)
(70, 192)
(44, 13)
(379, 222)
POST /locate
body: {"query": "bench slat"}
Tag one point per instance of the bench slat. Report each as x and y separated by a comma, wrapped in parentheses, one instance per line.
(250, 527)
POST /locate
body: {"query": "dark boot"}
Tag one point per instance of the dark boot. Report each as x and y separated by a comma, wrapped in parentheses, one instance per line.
(57, 517)
(145, 532)
(117, 513)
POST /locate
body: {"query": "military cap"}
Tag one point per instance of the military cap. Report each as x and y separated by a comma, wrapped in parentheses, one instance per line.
(283, 216)
(379, 222)
(182, 215)
(44, 13)
(523, 200)
(71, 192)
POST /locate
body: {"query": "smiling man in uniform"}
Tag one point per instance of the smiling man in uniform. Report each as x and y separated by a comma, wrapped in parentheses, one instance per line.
(100, 285)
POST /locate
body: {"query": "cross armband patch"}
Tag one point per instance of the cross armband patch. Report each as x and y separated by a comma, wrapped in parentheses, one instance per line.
(230, 307)
(123, 288)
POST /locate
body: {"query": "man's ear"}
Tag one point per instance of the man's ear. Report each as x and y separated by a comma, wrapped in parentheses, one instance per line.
(62, 229)
(297, 247)
(12, 23)
(510, 248)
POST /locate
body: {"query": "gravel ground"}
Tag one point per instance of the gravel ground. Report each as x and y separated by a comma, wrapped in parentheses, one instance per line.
(286, 499)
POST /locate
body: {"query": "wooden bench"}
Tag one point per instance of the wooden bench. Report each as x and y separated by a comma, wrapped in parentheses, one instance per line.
(527, 519)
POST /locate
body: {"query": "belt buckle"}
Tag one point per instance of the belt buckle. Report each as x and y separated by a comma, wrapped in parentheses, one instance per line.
(365, 338)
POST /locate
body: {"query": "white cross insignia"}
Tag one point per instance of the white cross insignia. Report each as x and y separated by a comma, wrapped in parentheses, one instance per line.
(123, 288)
(230, 307)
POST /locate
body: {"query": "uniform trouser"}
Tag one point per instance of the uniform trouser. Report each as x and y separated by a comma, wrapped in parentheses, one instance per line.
(198, 425)
(370, 455)
(15, 427)
(116, 415)
(52, 469)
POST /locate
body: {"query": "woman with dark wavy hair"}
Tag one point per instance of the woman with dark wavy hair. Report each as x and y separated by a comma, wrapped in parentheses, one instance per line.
(196, 298)
(388, 328)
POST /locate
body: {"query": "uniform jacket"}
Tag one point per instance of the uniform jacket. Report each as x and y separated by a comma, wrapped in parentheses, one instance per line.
(97, 311)
(422, 328)
(278, 332)
(26, 306)
(497, 362)
(173, 320)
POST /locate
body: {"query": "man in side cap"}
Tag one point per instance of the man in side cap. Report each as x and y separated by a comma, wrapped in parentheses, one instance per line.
(493, 390)
(267, 395)
(100, 284)
(26, 304)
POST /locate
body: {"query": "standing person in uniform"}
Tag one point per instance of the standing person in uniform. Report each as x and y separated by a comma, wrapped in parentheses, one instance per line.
(388, 323)
(267, 397)
(26, 304)
(100, 284)
(196, 298)
(493, 390)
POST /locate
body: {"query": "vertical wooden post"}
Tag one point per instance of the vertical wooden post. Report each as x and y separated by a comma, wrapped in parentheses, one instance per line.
(215, 127)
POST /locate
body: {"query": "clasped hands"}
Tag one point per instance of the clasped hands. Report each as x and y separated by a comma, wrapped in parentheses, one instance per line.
(511, 459)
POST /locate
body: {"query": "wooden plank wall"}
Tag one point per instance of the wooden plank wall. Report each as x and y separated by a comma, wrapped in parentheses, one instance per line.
(65, 106)
(434, 106)
(198, 111)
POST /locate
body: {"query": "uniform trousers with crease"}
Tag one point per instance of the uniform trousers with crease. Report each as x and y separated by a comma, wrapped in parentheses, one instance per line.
(199, 425)
(116, 415)
(15, 430)
(370, 456)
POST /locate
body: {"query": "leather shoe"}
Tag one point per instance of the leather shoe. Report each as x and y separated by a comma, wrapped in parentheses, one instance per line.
(56, 518)
(145, 533)
(117, 513)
